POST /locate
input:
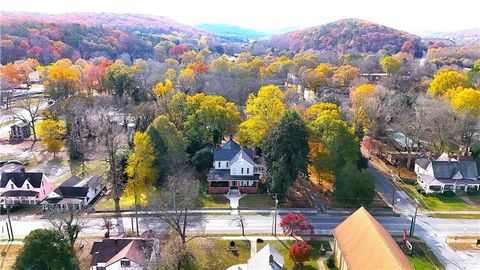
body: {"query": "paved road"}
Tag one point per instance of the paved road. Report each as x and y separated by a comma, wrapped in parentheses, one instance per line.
(433, 231)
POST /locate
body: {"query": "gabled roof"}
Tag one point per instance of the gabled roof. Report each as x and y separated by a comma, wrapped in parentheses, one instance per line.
(423, 162)
(18, 178)
(444, 169)
(231, 144)
(261, 260)
(19, 193)
(468, 169)
(365, 244)
(242, 155)
(71, 181)
(111, 250)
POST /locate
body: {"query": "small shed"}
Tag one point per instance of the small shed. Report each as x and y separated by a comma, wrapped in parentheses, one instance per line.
(20, 131)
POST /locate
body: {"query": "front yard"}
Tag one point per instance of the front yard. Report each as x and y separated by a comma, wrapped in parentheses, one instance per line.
(214, 201)
(283, 246)
(256, 201)
(422, 258)
(8, 255)
(214, 253)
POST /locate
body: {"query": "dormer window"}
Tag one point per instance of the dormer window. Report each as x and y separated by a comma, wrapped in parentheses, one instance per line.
(12, 186)
(28, 186)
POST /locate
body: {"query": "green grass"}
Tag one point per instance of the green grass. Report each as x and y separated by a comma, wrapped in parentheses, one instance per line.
(474, 198)
(214, 201)
(126, 203)
(456, 216)
(213, 253)
(422, 258)
(438, 202)
(325, 265)
(256, 201)
(283, 246)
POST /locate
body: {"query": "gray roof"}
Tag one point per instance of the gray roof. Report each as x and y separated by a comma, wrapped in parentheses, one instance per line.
(242, 155)
(19, 193)
(231, 144)
(444, 169)
(261, 260)
(224, 175)
(423, 162)
(229, 150)
(72, 181)
(468, 169)
(18, 178)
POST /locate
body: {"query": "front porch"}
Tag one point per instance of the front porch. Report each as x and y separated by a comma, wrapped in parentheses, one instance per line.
(441, 188)
(227, 186)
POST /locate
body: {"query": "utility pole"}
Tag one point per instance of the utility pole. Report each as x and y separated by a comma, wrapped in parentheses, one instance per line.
(414, 219)
(275, 216)
(393, 199)
(8, 223)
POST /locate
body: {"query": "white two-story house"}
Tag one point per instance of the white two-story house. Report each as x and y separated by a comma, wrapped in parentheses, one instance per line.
(234, 169)
(447, 173)
(74, 193)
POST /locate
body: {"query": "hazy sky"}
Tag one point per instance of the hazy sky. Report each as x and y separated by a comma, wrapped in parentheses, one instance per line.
(415, 16)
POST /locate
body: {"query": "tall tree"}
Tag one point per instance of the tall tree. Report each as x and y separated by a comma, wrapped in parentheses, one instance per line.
(285, 150)
(390, 65)
(445, 80)
(52, 132)
(63, 79)
(353, 186)
(30, 113)
(263, 113)
(68, 222)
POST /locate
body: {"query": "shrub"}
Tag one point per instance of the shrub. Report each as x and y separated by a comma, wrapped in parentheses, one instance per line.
(472, 191)
(448, 193)
(300, 252)
(331, 262)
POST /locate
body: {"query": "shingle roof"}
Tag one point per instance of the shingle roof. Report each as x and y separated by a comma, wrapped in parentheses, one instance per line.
(229, 150)
(468, 169)
(242, 155)
(224, 175)
(444, 169)
(19, 193)
(365, 244)
(423, 162)
(231, 144)
(113, 249)
(72, 181)
(18, 178)
(261, 260)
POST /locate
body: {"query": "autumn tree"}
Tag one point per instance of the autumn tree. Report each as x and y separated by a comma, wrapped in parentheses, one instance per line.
(52, 132)
(32, 108)
(466, 101)
(140, 171)
(390, 65)
(344, 75)
(63, 79)
(186, 80)
(361, 98)
(445, 80)
(263, 113)
(122, 79)
(163, 93)
(295, 225)
(300, 252)
(11, 74)
(285, 150)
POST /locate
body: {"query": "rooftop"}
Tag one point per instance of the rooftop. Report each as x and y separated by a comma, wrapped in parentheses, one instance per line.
(365, 244)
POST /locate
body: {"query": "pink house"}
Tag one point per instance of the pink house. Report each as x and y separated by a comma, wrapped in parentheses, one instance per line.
(24, 187)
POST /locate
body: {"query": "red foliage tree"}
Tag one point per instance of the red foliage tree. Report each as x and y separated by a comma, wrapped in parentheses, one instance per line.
(198, 67)
(300, 252)
(178, 49)
(295, 224)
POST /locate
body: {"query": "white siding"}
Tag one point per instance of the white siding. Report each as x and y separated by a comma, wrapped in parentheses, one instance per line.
(241, 167)
(221, 165)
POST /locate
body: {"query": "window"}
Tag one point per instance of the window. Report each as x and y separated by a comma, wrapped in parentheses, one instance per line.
(227, 164)
(125, 263)
(101, 268)
(248, 170)
(242, 171)
(28, 186)
(219, 164)
(12, 186)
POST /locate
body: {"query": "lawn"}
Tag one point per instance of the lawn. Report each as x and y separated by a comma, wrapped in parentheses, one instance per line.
(438, 202)
(214, 201)
(126, 203)
(283, 246)
(213, 253)
(256, 201)
(422, 258)
(8, 254)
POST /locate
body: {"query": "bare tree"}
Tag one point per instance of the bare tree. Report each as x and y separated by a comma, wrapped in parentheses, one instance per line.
(173, 204)
(31, 115)
(240, 222)
(111, 136)
(108, 225)
(67, 221)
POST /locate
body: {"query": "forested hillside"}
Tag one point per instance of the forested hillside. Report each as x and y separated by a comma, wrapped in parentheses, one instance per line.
(85, 35)
(350, 35)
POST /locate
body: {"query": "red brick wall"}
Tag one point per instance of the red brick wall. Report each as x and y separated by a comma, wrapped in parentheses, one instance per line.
(248, 189)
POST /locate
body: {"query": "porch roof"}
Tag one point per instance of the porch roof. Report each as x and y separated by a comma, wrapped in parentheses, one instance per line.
(224, 175)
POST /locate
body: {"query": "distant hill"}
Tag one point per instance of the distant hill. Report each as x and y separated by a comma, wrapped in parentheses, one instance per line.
(344, 35)
(49, 37)
(462, 37)
(232, 32)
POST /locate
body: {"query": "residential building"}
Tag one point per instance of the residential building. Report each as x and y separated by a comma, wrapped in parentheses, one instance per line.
(74, 192)
(24, 187)
(361, 242)
(268, 258)
(34, 77)
(20, 131)
(234, 169)
(124, 253)
(11, 166)
(447, 173)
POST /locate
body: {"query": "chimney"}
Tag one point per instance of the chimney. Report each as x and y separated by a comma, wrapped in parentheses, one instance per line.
(231, 136)
(270, 259)
(22, 169)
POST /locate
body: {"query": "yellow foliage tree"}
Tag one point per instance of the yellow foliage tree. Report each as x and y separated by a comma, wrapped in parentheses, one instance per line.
(63, 79)
(315, 110)
(140, 170)
(263, 113)
(390, 65)
(343, 75)
(186, 79)
(51, 131)
(465, 101)
(446, 80)
(361, 97)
